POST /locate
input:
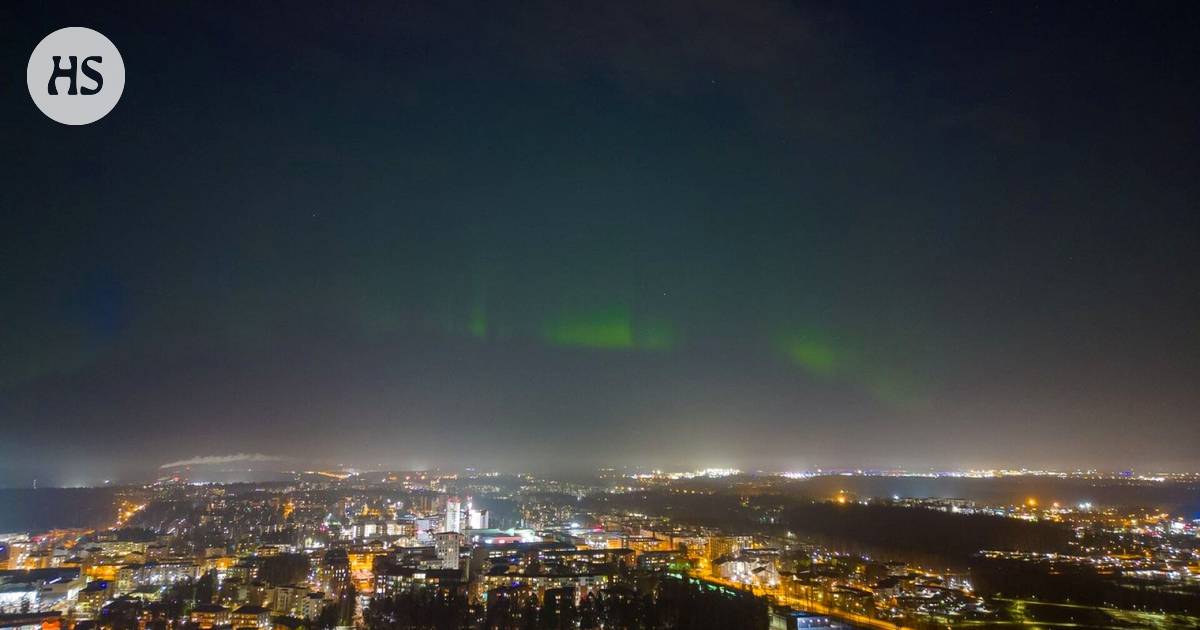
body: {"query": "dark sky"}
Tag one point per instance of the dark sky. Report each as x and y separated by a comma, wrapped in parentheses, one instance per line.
(562, 234)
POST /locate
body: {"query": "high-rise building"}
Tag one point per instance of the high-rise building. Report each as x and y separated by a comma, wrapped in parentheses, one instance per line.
(447, 545)
(453, 515)
(476, 518)
(334, 571)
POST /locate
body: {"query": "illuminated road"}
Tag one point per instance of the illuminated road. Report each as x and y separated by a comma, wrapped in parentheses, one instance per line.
(810, 606)
(1120, 618)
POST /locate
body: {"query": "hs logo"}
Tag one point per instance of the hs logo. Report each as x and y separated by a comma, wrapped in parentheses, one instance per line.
(65, 80)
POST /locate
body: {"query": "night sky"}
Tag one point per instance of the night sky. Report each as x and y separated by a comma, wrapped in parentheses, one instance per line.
(550, 235)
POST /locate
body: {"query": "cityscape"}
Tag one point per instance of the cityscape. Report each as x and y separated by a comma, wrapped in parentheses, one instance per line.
(714, 548)
(600, 315)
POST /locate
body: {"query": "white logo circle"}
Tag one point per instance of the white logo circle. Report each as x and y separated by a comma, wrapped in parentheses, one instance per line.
(75, 75)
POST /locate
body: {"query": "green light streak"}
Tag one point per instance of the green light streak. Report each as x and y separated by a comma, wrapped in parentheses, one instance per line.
(478, 324)
(826, 356)
(812, 351)
(608, 328)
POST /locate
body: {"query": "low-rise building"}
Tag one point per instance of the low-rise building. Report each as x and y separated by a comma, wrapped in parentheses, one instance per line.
(93, 597)
(251, 616)
(208, 616)
(31, 621)
(395, 580)
(311, 605)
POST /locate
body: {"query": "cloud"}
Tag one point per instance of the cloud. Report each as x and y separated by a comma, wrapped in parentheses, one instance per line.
(222, 459)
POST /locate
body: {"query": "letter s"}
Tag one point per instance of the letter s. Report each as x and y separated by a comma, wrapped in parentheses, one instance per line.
(92, 74)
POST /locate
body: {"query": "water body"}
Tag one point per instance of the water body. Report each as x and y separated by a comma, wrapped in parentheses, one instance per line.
(27, 509)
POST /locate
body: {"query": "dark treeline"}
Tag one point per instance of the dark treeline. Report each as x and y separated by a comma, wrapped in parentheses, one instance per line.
(670, 603)
(283, 569)
(682, 604)
(339, 612)
(133, 614)
(954, 538)
(1079, 585)
(421, 608)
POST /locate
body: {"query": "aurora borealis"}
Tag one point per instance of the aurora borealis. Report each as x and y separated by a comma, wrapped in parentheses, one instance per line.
(754, 234)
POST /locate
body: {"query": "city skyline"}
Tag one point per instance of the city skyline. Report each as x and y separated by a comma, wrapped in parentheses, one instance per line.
(243, 468)
(704, 549)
